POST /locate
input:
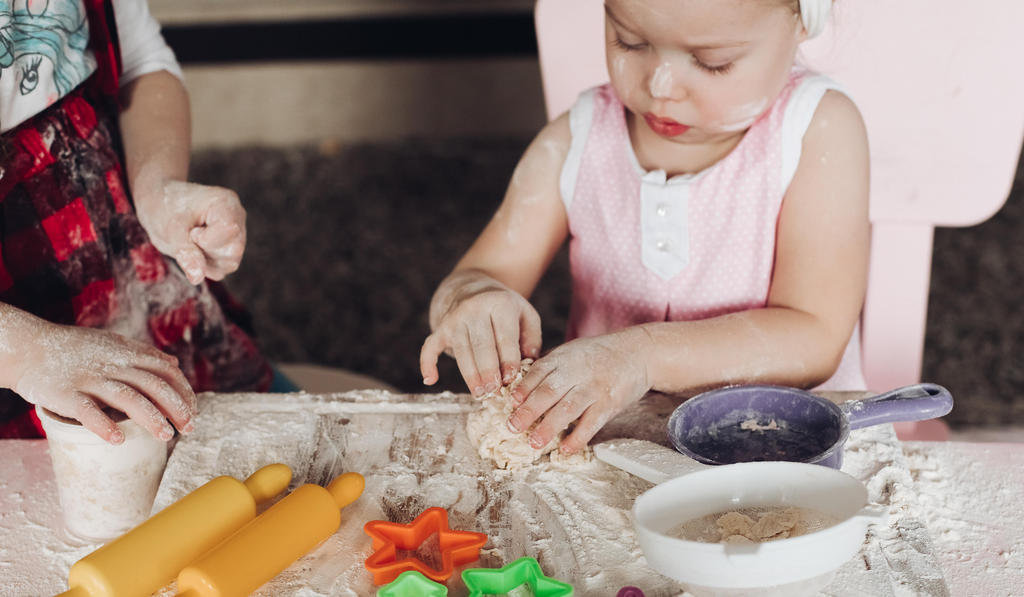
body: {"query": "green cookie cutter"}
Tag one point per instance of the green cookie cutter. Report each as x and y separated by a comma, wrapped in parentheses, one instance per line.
(412, 584)
(501, 581)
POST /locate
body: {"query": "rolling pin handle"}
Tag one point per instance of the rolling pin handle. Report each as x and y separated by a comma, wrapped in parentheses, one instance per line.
(346, 488)
(268, 481)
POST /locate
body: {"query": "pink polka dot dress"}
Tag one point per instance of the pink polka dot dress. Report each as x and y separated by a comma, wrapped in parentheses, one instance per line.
(644, 247)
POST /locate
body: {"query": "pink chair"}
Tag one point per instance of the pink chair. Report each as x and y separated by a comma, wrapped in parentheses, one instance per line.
(945, 122)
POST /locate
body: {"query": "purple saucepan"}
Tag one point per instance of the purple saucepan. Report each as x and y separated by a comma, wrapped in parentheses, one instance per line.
(753, 423)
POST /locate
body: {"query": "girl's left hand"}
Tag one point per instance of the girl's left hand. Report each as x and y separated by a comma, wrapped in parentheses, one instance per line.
(589, 379)
(201, 227)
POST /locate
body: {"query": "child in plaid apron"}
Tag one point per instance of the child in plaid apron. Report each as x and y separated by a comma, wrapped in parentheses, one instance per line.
(72, 250)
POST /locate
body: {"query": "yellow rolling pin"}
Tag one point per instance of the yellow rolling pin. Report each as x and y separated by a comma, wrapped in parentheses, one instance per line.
(272, 541)
(150, 555)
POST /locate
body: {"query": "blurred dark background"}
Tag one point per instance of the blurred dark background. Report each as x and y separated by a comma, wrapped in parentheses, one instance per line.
(371, 141)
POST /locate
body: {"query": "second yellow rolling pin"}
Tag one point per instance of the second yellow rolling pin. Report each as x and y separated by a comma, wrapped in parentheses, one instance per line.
(148, 556)
(272, 541)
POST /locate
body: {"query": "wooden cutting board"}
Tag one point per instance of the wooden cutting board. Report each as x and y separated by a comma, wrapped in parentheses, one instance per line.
(574, 519)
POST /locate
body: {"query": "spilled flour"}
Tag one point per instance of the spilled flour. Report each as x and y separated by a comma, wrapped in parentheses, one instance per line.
(901, 545)
(414, 454)
(971, 494)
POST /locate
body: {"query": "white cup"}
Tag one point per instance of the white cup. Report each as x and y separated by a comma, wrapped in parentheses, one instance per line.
(105, 490)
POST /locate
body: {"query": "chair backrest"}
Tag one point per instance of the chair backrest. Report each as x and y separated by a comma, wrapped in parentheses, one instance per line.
(945, 122)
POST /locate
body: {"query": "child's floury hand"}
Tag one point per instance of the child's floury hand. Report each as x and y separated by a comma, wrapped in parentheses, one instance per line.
(75, 371)
(201, 227)
(489, 329)
(589, 379)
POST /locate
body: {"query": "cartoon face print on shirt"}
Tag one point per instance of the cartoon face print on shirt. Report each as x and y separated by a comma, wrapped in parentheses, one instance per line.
(43, 55)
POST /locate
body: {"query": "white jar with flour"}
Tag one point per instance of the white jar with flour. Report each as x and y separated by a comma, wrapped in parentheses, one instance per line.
(104, 489)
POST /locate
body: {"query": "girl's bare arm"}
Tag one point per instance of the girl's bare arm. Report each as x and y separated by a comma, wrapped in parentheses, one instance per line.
(480, 312)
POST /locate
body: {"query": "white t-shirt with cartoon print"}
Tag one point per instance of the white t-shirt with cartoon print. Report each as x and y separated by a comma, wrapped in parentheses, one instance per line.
(44, 52)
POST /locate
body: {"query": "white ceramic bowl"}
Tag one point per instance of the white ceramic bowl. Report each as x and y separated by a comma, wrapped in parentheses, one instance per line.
(794, 566)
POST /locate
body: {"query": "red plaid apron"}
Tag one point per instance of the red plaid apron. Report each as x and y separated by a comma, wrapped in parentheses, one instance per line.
(72, 250)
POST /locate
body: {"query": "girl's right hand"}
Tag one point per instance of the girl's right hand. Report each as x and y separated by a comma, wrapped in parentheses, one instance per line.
(489, 329)
(75, 371)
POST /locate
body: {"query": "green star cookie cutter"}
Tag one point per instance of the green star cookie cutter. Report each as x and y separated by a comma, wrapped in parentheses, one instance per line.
(500, 581)
(412, 584)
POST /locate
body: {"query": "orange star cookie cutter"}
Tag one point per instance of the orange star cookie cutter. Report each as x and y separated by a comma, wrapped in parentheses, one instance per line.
(457, 547)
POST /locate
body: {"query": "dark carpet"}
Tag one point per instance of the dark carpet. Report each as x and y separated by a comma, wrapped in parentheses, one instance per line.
(346, 246)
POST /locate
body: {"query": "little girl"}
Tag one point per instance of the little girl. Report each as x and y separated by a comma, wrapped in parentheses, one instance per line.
(104, 245)
(715, 199)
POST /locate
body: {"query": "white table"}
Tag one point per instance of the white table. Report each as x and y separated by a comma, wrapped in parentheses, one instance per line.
(954, 524)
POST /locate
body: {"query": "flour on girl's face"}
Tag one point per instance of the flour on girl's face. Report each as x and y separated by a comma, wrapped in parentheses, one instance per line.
(661, 81)
(619, 65)
(742, 117)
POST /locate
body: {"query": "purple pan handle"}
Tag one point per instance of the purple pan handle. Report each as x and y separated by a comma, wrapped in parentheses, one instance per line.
(630, 592)
(910, 403)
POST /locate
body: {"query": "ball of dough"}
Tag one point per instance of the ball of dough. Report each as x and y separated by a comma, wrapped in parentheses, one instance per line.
(489, 433)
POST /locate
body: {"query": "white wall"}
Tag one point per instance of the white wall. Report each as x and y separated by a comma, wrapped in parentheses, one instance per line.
(288, 103)
(284, 103)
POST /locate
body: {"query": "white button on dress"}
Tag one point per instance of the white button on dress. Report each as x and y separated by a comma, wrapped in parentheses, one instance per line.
(664, 229)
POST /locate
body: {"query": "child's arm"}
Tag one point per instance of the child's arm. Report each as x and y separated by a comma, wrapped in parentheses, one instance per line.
(202, 227)
(74, 371)
(816, 295)
(479, 312)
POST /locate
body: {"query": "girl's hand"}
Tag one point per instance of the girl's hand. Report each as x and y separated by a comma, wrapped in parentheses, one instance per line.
(75, 371)
(488, 328)
(202, 227)
(589, 380)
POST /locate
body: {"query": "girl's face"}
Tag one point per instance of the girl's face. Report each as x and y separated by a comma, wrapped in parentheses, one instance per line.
(699, 71)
